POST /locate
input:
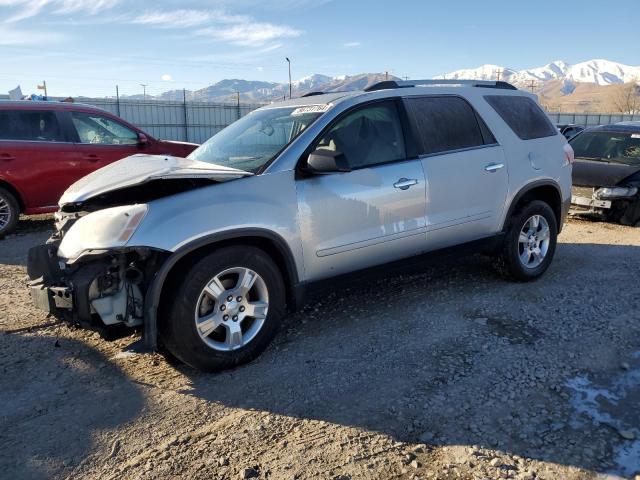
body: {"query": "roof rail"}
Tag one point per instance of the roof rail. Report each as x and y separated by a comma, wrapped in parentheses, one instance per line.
(387, 84)
(312, 94)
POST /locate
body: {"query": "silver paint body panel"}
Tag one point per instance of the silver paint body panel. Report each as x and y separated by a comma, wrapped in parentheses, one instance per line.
(343, 222)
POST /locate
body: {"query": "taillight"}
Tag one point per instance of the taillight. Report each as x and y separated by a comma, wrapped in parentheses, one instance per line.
(569, 155)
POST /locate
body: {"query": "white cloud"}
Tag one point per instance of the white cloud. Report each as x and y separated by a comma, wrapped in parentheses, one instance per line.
(166, 78)
(184, 18)
(250, 34)
(29, 8)
(219, 25)
(11, 36)
(351, 44)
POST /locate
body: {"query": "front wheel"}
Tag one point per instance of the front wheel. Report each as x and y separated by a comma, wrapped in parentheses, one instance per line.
(9, 212)
(226, 311)
(530, 242)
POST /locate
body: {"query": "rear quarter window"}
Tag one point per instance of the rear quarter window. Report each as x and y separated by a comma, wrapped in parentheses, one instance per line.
(523, 115)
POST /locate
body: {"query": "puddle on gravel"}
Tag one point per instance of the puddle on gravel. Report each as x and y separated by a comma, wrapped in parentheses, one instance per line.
(613, 403)
(516, 331)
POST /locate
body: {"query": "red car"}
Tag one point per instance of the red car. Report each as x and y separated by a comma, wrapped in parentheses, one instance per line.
(47, 146)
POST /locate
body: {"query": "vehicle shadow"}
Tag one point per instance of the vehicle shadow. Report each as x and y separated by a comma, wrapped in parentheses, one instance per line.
(451, 354)
(31, 231)
(51, 416)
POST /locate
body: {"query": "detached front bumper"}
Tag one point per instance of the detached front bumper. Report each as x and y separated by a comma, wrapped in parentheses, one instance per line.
(584, 201)
(60, 291)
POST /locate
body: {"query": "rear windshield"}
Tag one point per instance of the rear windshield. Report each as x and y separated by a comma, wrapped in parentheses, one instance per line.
(523, 115)
(253, 141)
(613, 147)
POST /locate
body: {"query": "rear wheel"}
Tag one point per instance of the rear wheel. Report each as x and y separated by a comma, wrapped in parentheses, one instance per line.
(227, 310)
(530, 242)
(9, 212)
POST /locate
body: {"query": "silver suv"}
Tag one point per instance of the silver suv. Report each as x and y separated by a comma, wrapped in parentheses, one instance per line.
(207, 254)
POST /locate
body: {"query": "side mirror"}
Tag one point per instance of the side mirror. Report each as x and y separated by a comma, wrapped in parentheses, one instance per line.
(327, 161)
(142, 139)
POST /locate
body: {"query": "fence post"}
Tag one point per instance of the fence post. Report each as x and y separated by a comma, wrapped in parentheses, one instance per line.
(186, 118)
(117, 101)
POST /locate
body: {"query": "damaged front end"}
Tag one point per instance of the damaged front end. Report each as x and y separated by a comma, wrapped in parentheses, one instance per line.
(87, 274)
(103, 292)
(620, 204)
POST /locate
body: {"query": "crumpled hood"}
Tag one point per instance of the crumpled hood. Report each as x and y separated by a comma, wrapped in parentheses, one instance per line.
(140, 168)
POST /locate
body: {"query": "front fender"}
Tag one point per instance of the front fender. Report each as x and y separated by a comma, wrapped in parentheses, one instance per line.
(152, 297)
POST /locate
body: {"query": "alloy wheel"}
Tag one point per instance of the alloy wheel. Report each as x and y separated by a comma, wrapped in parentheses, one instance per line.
(5, 213)
(232, 309)
(533, 241)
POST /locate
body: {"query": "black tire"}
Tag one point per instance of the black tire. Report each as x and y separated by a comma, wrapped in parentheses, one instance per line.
(177, 330)
(10, 201)
(509, 263)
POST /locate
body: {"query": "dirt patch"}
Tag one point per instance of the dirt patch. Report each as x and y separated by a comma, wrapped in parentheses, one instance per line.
(448, 372)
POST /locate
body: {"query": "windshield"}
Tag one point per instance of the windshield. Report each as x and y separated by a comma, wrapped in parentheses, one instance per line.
(615, 147)
(254, 140)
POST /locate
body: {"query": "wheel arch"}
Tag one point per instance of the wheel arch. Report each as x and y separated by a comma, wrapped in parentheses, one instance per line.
(15, 192)
(266, 240)
(545, 190)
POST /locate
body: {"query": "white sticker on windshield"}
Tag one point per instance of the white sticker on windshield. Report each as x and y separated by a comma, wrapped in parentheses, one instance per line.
(635, 135)
(311, 109)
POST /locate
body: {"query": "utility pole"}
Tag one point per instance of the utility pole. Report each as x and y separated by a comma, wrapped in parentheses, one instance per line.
(386, 75)
(498, 74)
(532, 85)
(144, 91)
(290, 84)
(186, 116)
(238, 104)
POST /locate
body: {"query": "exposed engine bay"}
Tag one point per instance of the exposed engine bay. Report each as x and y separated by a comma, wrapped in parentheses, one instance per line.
(106, 290)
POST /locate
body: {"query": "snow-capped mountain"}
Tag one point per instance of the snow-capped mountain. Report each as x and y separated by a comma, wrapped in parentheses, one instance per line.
(563, 77)
(260, 92)
(599, 72)
(483, 72)
(312, 82)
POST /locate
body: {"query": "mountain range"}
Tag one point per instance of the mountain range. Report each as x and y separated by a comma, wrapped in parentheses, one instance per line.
(599, 72)
(555, 83)
(257, 91)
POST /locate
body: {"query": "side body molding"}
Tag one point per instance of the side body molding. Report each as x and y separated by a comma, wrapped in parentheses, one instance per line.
(152, 298)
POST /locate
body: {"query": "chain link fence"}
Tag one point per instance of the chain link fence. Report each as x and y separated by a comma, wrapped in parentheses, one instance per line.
(198, 121)
(185, 121)
(591, 119)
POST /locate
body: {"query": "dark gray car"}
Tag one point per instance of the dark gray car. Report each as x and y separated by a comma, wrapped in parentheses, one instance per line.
(606, 175)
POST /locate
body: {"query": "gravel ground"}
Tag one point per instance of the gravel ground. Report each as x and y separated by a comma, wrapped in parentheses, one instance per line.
(445, 372)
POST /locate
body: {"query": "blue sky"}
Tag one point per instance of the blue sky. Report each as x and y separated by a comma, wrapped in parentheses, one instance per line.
(86, 47)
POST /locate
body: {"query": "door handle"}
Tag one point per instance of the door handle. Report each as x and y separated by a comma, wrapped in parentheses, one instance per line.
(7, 157)
(494, 167)
(92, 158)
(405, 183)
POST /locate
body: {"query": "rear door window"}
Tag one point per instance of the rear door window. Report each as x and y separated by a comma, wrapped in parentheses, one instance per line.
(447, 123)
(30, 125)
(523, 115)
